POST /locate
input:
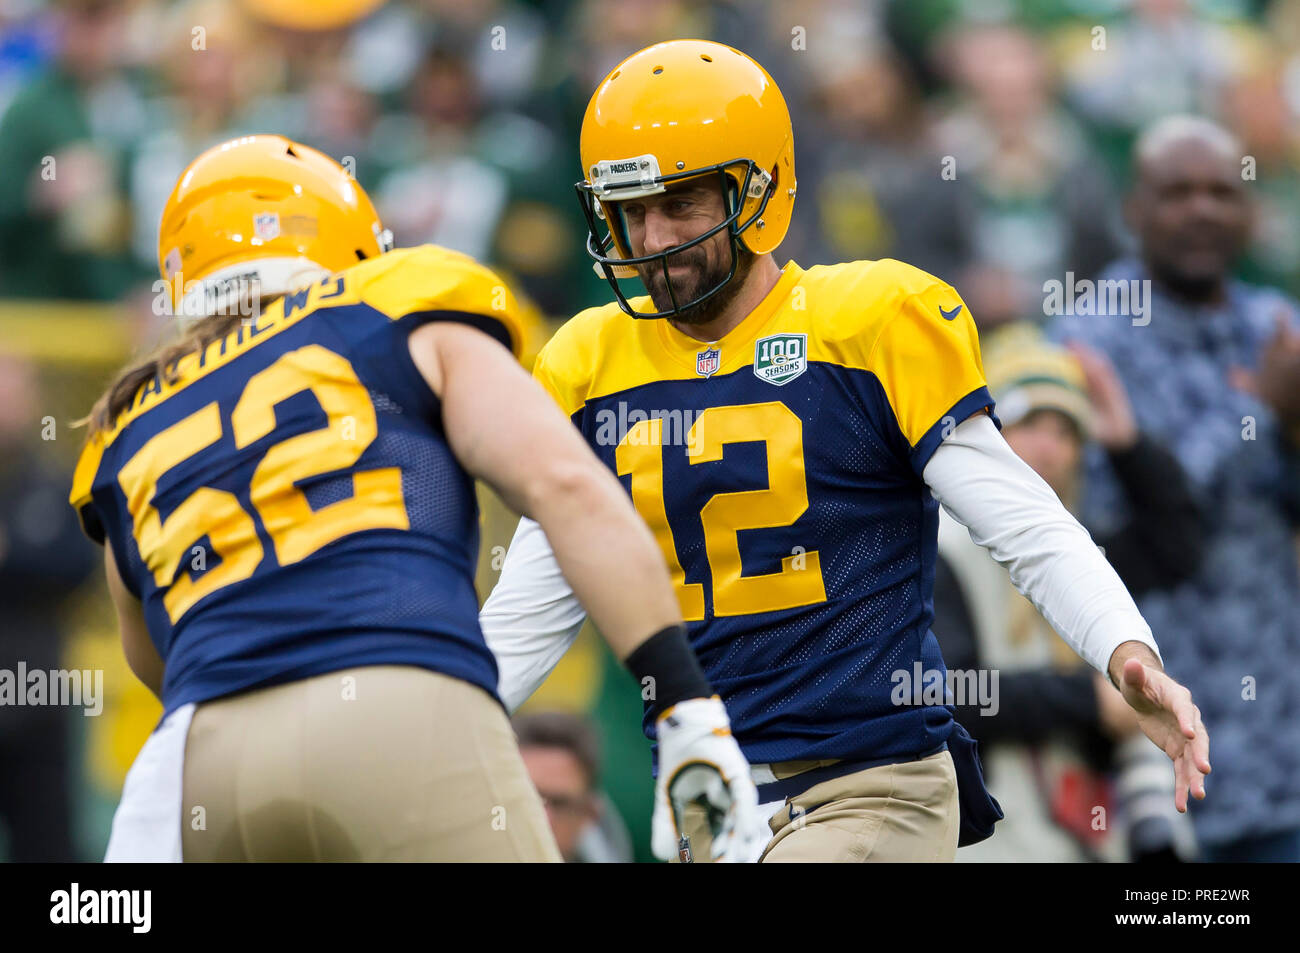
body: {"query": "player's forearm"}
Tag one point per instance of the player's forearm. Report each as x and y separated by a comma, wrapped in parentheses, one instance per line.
(610, 561)
(1009, 510)
(144, 663)
(142, 657)
(608, 556)
(530, 617)
(505, 429)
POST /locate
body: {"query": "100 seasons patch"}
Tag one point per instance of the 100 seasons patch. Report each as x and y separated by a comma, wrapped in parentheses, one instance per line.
(780, 358)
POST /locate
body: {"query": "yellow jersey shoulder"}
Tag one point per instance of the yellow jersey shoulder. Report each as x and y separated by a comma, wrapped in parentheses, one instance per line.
(567, 366)
(853, 301)
(421, 279)
(83, 477)
(430, 278)
(909, 329)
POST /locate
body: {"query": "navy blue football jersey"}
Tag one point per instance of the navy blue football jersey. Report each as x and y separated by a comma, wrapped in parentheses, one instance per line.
(780, 470)
(286, 504)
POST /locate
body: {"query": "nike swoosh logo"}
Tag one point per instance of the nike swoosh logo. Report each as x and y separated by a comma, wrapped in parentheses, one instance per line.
(949, 315)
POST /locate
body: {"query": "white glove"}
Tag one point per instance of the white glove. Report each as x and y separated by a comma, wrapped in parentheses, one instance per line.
(699, 760)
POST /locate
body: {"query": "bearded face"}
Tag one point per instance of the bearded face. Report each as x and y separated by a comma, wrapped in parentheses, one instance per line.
(660, 223)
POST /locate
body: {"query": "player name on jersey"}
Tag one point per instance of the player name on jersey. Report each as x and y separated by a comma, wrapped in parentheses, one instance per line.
(294, 472)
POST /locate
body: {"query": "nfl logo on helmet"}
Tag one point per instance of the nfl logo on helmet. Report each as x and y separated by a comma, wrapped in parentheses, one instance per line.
(266, 225)
(706, 362)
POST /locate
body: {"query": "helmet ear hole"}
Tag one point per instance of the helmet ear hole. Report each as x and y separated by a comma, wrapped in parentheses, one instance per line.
(361, 256)
(288, 150)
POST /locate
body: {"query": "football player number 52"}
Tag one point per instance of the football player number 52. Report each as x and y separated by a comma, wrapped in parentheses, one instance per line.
(295, 529)
(799, 581)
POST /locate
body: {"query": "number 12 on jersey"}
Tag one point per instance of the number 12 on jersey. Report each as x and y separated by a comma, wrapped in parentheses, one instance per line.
(799, 581)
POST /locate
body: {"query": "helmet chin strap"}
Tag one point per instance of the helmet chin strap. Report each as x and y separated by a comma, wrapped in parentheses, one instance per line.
(242, 287)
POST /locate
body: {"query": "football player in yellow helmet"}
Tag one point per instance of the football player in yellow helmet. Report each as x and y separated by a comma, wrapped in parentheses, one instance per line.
(295, 216)
(287, 506)
(789, 435)
(687, 117)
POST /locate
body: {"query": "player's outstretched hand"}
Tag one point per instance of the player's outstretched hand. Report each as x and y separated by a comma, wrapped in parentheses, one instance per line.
(699, 761)
(1166, 715)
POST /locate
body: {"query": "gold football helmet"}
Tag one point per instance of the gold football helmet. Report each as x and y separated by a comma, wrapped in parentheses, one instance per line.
(261, 213)
(675, 111)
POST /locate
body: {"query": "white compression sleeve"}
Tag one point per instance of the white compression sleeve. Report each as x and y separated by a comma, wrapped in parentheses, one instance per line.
(1013, 513)
(531, 617)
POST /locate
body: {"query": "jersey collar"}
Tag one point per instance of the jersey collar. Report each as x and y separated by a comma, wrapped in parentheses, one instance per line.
(734, 345)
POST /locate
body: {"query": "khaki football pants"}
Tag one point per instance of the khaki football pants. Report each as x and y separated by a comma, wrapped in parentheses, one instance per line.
(379, 763)
(894, 813)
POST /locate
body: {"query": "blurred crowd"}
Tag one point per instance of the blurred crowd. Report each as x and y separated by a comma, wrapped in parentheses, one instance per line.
(989, 142)
(461, 119)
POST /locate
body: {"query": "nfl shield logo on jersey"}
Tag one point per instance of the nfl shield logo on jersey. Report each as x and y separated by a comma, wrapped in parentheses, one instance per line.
(707, 362)
(266, 225)
(780, 358)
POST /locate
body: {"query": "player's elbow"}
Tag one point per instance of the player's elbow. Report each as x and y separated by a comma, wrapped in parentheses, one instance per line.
(560, 488)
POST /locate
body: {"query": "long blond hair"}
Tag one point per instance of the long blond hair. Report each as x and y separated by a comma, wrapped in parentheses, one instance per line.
(161, 364)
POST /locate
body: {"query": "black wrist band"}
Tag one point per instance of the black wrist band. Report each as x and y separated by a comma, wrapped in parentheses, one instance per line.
(667, 670)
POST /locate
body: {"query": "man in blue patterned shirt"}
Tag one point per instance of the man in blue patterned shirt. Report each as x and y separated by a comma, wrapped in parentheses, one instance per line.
(1213, 368)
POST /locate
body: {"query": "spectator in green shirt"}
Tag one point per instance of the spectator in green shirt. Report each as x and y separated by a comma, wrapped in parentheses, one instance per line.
(64, 219)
